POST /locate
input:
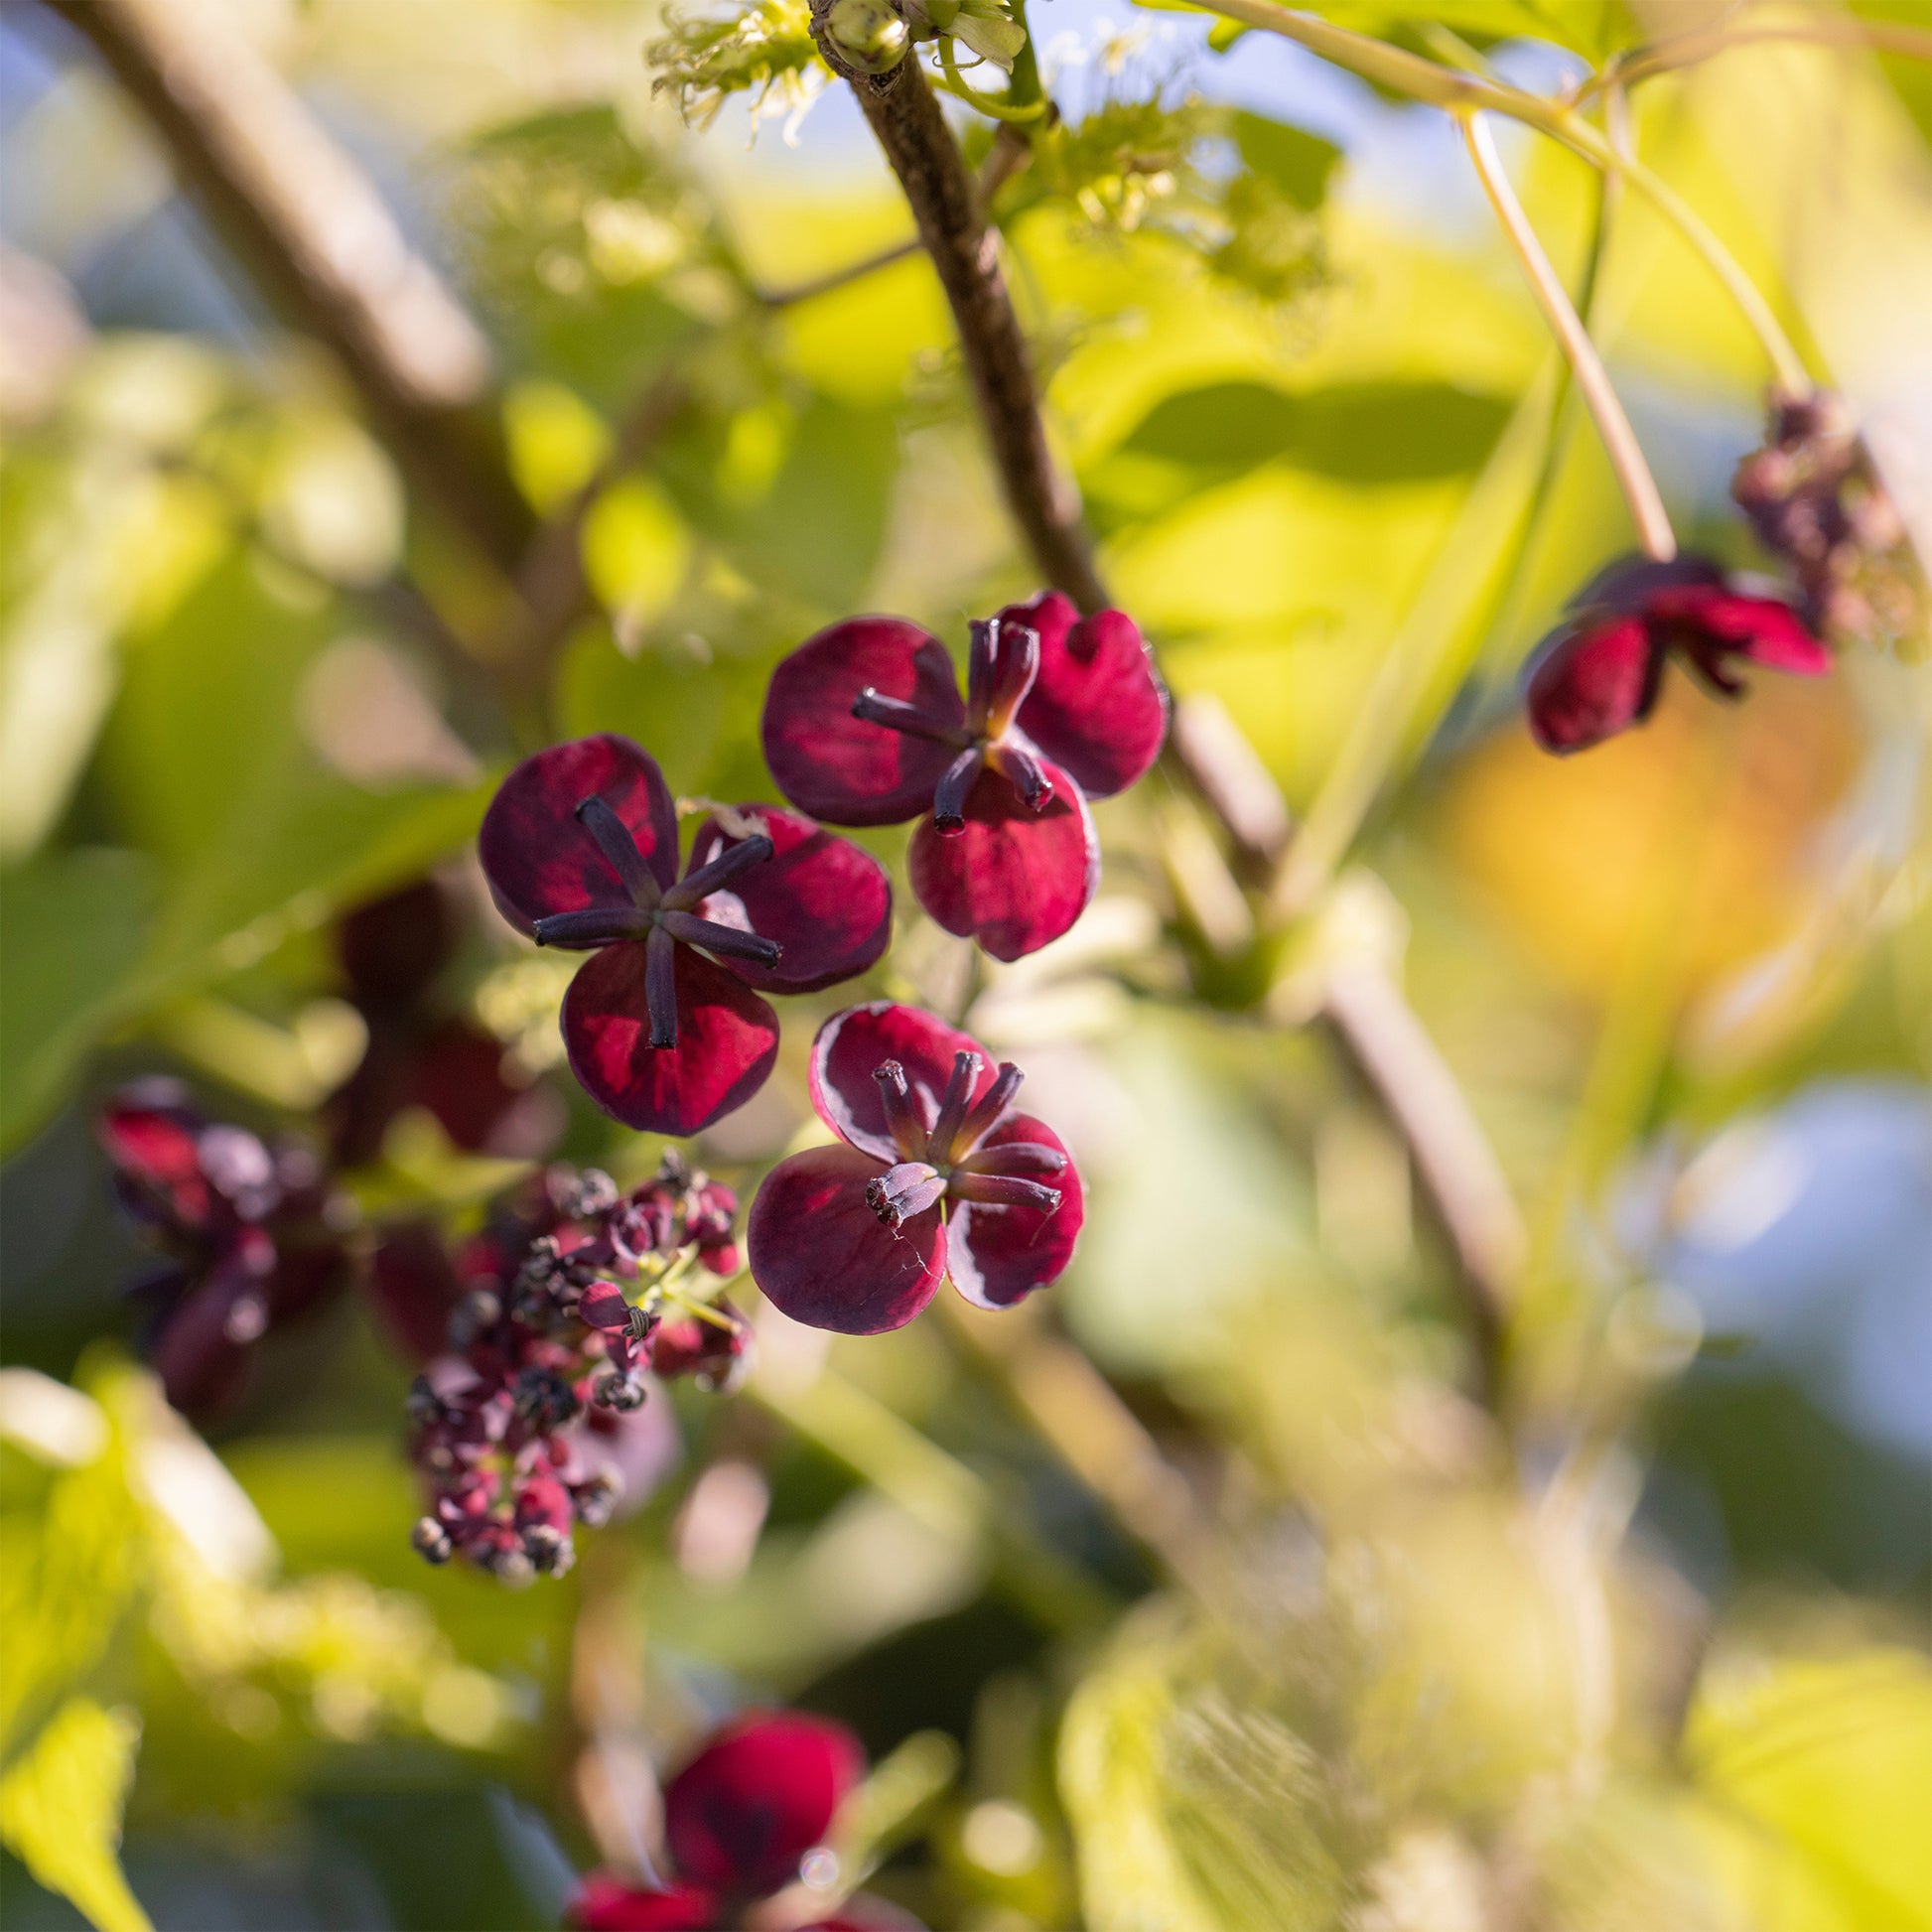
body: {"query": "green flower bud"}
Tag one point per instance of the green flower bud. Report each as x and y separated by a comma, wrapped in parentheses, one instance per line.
(869, 34)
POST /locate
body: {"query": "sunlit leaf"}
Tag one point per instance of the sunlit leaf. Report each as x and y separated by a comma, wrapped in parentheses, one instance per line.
(61, 1810)
(75, 931)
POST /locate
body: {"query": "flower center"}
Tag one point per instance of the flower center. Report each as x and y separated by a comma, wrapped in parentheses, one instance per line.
(1001, 668)
(662, 918)
(941, 1157)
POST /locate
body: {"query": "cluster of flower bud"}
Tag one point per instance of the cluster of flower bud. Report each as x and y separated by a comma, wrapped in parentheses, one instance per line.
(547, 1354)
(1814, 498)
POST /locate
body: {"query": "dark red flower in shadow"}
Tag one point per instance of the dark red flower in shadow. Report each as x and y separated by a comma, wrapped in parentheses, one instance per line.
(664, 1025)
(420, 1053)
(864, 725)
(1599, 672)
(936, 1175)
(252, 1233)
(738, 1820)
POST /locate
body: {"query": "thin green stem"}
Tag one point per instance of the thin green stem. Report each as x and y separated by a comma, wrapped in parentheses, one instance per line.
(1688, 49)
(1779, 349)
(1468, 93)
(1593, 380)
(1000, 111)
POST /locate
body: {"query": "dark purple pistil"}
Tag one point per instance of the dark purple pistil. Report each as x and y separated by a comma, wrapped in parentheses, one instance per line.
(941, 1159)
(662, 919)
(1001, 668)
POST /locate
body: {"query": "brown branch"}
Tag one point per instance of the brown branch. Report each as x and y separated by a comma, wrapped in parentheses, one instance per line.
(320, 244)
(965, 250)
(1458, 1171)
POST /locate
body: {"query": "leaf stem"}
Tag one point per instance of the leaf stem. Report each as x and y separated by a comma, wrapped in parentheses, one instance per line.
(1633, 476)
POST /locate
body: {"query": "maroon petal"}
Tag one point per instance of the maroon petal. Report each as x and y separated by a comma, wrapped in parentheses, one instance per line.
(540, 861)
(1097, 707)
(604, 1902)
(392, 947)
(1591, 684)
(459, 1077)
(842, 769)
(200, 1349)
(152, 1131)
(997, 1256)
(759, 1796)
(864, 1913)
(1014, 877)
(824, 900)
(821, 1255)
(727, 1040)
(1763, 629)
(853, 1043)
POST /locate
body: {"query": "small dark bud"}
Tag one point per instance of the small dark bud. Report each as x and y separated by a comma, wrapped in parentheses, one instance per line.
(543, 1400)
(623, 1393)
(423, 1406)
(431, 1541)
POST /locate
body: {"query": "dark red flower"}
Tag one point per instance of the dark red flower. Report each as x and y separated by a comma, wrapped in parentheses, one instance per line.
(664, 1025)
(936, 1175)
(864, 725)
(535, 1417)
(421, 1052)
(738, 1820)
(1599, 672)
(252, 1233)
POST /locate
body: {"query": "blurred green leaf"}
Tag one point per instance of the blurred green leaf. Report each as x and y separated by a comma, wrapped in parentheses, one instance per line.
(1833, 1759)
(75, 928)
(1296, 162)
(1361, 433)
(1195, 1808)
(212, 771)
(61, 1810)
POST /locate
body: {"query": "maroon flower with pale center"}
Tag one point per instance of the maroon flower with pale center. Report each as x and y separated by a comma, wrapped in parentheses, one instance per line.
(664, 1025)
(738, 1820)
(252, 1233)
(864, 725)
(1599, 672)
(936, 1175)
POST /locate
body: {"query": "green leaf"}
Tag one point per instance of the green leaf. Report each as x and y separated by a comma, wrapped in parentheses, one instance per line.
(60, 1811)
(1832, 1759)
(1363, 433)
(1296, 162)
(212, 772)
(76, 923)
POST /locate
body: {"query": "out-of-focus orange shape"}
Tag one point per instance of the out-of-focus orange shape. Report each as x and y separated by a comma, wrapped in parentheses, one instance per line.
(1702, 820)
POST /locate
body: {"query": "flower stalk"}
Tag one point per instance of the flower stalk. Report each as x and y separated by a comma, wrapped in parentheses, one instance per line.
(1633, 476)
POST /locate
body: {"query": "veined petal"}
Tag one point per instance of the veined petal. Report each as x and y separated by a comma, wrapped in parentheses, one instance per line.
(1097, 707)
(1763, 630)
(827, 901)
(997, 1256)
(604, 1902)
(846, 769)
(821, 1255)
(540, 861)
(852, 1044)
(764, 1790)
(727, 1040)
(1591, 683)
(1012, 877)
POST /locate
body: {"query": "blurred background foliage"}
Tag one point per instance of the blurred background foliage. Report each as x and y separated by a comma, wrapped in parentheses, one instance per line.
(1651, 1655)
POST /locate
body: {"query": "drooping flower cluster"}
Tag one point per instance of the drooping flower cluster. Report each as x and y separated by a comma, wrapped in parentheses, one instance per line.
(664, 1024)
(1599, 672)
(740, 1820)
(519, 1428)
(936, 1175)
(864, 725)
(420, 1053)
(1816, 501)
(252, 1232)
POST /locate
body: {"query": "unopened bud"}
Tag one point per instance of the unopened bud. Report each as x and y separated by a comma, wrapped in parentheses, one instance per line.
(431, 1541)
(869, 34)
